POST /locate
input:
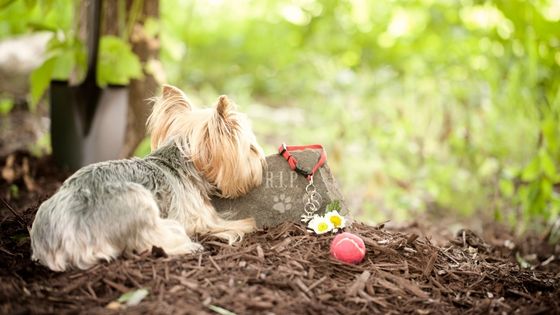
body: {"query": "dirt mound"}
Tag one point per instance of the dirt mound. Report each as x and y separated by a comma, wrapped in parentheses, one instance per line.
(284, 270)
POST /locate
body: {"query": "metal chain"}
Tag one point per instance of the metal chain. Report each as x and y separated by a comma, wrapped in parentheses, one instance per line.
(313, 202)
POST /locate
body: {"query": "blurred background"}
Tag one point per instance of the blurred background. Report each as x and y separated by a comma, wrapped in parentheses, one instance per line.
(427, 108)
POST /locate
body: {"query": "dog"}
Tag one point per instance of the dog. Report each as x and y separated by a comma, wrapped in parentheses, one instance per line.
(110, 208)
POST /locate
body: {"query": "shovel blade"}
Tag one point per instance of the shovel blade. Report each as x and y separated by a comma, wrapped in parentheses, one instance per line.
(76, 142)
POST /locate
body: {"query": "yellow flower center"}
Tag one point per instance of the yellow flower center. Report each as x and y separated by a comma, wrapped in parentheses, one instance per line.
(336, 220)
(323, 226)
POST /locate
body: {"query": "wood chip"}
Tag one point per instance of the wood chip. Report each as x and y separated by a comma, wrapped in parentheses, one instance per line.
(407, 284)
(359, 284)
(282, 245)
(316, 283)
(302, 285)
(215, 264)
(117, 286)
(260, 252)
(430, 264)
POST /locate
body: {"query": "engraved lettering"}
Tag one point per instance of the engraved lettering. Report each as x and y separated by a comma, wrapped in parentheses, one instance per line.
(293, 177)
(281, 181)
(269, 178)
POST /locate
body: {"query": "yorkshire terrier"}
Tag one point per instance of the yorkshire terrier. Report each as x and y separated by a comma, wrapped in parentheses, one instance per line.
(124, 206)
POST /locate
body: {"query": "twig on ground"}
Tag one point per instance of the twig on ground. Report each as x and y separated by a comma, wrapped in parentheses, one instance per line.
(18, 217)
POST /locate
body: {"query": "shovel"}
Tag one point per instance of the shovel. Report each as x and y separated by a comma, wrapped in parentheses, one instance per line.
(88, 123)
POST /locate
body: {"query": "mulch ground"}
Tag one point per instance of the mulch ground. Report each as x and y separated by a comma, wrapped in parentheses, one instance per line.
(281, 270)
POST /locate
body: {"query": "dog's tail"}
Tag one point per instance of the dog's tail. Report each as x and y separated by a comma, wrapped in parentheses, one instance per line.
(233, 230)
(205, 220)
(59, 241)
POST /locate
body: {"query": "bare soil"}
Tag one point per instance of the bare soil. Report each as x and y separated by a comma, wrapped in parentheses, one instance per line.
(281, 270)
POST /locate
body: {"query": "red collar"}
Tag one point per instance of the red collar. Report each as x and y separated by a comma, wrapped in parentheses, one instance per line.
(284, 151)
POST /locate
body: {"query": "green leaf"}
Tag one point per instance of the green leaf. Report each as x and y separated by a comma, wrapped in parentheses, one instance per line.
(498, 215)
(547, 164)
(531, 171)
(550, 133)
(521, 261)
(220, 310)
(30, 3)
(6, 106)
(40, 79)
(132, 298)
(42, 146)
(20, 237)
(117, 63)
(5, 3)
(40, 26)
(144, 148)
(152, 27)
(506, 187)
(64, 64)
(14, 191)
(46, 5)
(546, 189)
(334, 205)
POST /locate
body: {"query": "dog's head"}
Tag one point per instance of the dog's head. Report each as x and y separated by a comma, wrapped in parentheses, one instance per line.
(218, 140)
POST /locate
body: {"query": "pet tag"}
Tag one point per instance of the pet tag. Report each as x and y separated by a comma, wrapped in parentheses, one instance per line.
(312, 198)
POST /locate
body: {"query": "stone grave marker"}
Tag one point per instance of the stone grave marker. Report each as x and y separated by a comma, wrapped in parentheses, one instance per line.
(281, 196)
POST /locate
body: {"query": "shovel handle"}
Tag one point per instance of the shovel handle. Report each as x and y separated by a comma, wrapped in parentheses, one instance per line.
(93, 29)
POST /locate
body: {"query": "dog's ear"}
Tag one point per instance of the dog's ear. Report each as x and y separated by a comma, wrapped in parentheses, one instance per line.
(174, 95)
(225, 107)
(163, 120)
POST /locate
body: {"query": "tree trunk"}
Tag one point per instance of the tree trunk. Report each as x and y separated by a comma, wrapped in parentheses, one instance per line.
(146, 48)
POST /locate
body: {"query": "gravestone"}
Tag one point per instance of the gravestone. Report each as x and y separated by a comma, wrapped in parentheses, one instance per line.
(281, 196)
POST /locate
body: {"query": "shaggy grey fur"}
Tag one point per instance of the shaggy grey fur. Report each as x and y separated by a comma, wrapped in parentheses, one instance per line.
(106, 204)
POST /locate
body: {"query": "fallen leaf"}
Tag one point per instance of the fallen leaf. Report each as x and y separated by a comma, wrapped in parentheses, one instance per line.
(220, 310)
(133, 297)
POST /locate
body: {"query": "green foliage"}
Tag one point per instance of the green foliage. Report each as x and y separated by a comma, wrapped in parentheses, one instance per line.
(40, 79)
(14, 191)
(42, 146)
(66, 54)
(521, 261)
(334, 205)
(117, 63)
(20, 238)
(19, 17)
(6, 106)
(143, 148)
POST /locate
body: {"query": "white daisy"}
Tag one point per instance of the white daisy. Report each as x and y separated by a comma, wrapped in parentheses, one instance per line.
(337, 220)
(320, 225)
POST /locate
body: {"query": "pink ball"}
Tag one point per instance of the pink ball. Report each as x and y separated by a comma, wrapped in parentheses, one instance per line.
(348, 248)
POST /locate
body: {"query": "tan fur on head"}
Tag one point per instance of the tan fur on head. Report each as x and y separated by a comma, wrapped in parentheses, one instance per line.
(225, 106)
(219, 141)
(171, 104)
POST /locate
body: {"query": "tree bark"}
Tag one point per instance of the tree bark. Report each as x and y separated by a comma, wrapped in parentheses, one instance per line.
(140, 91)
(147, 49)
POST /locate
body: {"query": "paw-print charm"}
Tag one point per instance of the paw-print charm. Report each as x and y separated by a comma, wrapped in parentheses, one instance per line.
(282, 203)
